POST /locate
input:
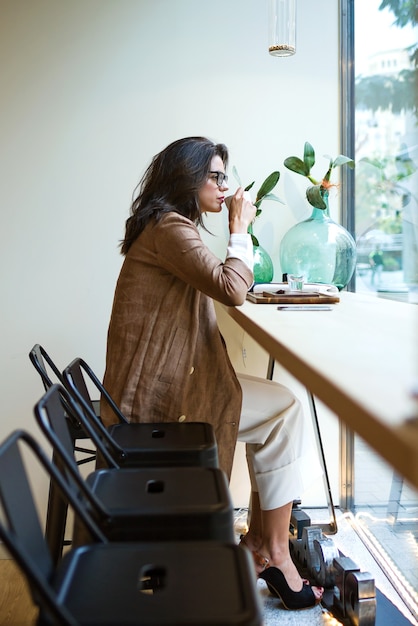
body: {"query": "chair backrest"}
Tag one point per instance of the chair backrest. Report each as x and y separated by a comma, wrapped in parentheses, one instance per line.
(77, 374)
(102, 439)
(20, 526)
(51, 417)
(44, 365)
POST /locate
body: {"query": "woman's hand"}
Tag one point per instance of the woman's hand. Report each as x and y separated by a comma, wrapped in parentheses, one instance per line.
(241, 211)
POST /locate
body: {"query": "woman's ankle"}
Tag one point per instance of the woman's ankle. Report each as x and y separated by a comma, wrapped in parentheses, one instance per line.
(251, 540)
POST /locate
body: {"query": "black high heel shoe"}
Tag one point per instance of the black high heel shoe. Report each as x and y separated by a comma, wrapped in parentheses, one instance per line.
(292, 600)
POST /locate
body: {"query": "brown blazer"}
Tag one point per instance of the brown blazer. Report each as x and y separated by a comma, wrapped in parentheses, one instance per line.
(166, 359)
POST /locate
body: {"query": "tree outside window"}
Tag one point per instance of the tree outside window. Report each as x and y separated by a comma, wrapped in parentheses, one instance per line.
(386, 143)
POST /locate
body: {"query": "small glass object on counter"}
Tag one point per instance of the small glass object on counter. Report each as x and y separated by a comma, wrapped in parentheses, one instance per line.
(296, 282)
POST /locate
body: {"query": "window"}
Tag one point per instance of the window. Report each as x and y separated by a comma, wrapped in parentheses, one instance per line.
(384, 107)
(379, 74)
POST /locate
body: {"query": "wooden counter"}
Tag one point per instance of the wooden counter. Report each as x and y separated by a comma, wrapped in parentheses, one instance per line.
(360, 359)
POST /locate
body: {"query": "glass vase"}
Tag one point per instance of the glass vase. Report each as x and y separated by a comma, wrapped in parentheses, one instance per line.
(263, 265)
(320, 249)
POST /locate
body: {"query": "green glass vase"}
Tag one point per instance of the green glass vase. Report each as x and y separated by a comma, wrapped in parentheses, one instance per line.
(263, 265)
(320, 249)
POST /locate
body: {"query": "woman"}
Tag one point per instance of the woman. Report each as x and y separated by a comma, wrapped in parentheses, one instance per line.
(166, 360)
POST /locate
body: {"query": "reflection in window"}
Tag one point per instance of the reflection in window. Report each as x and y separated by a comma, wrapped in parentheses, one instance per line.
(386, 147)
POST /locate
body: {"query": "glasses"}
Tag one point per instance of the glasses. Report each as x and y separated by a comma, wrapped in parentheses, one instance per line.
(220, 177)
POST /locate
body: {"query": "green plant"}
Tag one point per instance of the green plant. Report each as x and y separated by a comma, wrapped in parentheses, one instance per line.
(264, 193)
(314, 194)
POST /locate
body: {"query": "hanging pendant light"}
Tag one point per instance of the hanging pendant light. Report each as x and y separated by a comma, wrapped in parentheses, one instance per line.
(282, 27)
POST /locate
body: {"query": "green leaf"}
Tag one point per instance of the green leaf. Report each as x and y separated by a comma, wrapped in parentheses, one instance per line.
(254, 240)
(314, 197)
(308, 156)
(343, 160)
(328, 174)
(296, 165)
(304, 168)
(248, 187)
(269, 184)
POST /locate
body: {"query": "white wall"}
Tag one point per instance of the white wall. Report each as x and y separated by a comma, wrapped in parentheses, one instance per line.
(91, 89)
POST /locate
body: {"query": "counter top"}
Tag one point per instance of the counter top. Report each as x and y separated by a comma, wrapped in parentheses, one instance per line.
(360, 359)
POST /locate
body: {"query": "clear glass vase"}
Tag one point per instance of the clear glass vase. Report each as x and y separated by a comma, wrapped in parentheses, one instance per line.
(263, 265)
(320, 249)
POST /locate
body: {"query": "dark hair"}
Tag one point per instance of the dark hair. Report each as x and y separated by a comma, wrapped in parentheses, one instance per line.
(171, 183)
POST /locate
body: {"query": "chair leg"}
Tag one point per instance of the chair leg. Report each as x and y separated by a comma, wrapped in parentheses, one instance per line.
(56, 519)
(56, 516)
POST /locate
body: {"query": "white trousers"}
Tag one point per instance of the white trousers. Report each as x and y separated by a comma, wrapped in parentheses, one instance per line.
(282, 459)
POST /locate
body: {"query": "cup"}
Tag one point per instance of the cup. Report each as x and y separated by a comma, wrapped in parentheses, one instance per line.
(246, 195)
(296, 282)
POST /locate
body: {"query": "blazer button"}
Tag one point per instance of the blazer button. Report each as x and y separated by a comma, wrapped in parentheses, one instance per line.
(191, 370)
(182, 418)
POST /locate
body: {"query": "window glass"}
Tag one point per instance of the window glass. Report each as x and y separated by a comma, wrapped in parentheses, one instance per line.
(386, 147)
(385, 104)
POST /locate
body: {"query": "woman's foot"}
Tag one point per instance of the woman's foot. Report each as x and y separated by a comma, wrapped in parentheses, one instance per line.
(281, 561)
(277, 584)
(260, 561)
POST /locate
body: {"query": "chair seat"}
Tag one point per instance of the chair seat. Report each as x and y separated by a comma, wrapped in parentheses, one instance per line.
(160, 584)
(144, 504)
(166, 444)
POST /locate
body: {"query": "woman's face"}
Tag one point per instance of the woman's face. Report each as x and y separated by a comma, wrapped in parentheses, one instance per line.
(211, 195)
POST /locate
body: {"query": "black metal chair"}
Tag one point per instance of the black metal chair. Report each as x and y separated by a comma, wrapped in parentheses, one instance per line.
(108, 583)
(56, 515)
(140, 504)
(46, 367)
(162, 444)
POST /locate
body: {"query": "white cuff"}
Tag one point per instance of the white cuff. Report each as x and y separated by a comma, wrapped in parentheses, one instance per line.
(240, 246)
